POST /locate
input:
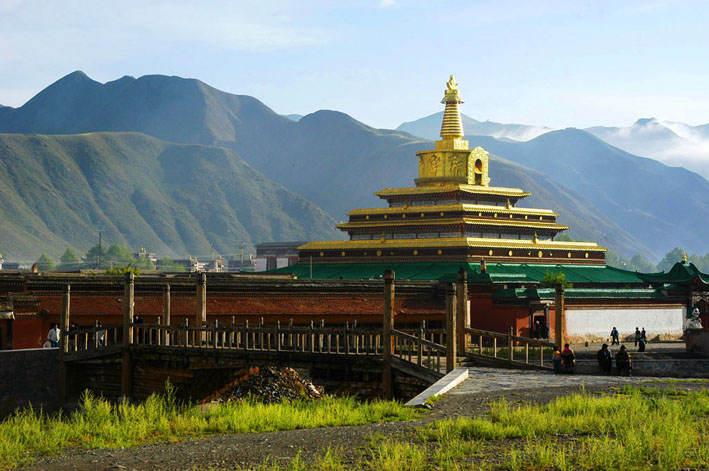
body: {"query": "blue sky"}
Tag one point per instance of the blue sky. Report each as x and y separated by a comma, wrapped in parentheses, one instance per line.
(555, 63)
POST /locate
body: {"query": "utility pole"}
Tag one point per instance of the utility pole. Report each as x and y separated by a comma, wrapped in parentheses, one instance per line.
(98, 267)
(241, 249)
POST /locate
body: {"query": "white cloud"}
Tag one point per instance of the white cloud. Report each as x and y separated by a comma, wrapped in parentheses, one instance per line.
(388, 3)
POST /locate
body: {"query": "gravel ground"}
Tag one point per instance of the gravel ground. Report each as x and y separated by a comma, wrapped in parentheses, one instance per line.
(229, 451)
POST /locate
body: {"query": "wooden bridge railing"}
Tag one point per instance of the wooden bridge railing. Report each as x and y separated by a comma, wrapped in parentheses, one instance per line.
(510, 347)
(347, 340)
(419, 350)
(423, 347)
(93, 338)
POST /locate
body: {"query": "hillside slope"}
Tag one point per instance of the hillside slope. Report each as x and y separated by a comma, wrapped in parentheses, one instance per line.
(173, 199)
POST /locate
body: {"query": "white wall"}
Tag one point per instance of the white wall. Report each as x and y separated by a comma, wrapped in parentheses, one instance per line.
(666, 322)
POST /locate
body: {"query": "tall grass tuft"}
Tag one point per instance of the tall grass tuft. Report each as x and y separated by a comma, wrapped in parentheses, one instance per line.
(100, 423)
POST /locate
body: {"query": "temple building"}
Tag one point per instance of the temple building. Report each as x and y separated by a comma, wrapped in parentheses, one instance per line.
(452, 215)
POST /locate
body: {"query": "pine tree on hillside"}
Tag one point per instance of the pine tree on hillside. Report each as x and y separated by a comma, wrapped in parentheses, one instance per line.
(45, 263)
(69, 261)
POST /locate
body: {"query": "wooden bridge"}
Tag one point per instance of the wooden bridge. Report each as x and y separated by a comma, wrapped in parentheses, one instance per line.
(134, 359)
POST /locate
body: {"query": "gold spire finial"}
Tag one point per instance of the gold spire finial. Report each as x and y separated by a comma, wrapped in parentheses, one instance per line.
(452, 127)
(684, 257)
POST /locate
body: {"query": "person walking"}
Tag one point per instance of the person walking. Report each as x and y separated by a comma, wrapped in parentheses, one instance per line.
(614, 336)
(54, 335)
(623, 362)
(643, 335)
(557, 360)
(568, 359)
(637, 336)
(605, 359)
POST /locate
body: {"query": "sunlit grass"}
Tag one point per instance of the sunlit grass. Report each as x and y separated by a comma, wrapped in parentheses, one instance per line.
(100, 423)
(640, 428)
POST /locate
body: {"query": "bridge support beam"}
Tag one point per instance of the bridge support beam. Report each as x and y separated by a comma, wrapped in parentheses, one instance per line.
(559, 314)
(201, 318)
(463, 311)
(387, 337)
(451, 324)
(63, 344)
(128, 314)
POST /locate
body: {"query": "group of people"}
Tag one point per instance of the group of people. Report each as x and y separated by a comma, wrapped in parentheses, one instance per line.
(622, 360)
(640, 338)
(565, 360)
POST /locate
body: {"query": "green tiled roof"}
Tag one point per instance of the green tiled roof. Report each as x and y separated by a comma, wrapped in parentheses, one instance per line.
(447, 271)
(681, 273)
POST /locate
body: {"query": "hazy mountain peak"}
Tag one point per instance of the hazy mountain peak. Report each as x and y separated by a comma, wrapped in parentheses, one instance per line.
(645, 121)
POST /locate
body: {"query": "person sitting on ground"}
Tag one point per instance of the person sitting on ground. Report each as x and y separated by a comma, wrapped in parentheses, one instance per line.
(614, 336)
(641, 344)
(605, 359)
(568, 359)
(557, 360)
(623, 362)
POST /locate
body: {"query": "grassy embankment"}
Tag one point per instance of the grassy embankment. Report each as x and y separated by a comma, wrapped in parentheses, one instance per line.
(641, 428)
(98, 423)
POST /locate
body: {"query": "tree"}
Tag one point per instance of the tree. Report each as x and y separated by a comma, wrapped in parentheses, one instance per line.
(638, 263)
(551, 279)
(672, 257)
(69, 261)
(118, 253)
(92, 256)
(166, 264)
(45, 263)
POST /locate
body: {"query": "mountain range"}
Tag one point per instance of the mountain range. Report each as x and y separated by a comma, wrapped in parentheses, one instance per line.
(676, 144)
(174, 199)
(672, 143)
(323, 160)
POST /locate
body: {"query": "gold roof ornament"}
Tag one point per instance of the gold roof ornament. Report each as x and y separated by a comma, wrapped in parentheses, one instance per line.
(684, 257)
(452, 127)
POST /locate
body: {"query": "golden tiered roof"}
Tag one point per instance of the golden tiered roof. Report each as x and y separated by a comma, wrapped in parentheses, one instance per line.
(452, 196)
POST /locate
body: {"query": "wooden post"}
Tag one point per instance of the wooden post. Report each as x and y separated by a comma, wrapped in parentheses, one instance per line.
(128, 306)
(63, 344)
(559, 316)
(166, 313)
(462, 315)
(201, 317)
(387, 337)
(451, 324)
(510, 352)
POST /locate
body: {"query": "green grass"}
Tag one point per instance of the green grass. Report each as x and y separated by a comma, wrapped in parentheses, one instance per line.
(640, 428)
(99, 423)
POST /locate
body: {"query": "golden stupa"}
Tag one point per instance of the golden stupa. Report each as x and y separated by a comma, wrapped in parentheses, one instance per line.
(452, 214)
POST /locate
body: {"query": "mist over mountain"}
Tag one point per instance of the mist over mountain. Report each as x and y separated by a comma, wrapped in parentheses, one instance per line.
(675, 144)
(429, 127)
(173, 199)
(629, 204)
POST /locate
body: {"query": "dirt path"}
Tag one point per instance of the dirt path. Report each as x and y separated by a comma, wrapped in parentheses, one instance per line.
(226, 452)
